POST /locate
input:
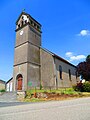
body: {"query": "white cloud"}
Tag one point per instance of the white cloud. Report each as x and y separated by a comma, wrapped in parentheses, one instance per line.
(84, 33)
(78, 57)
(69, 54)
(73, 57)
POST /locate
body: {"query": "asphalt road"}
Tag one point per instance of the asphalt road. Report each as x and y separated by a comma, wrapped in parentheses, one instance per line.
(8, 104)
(77, 109)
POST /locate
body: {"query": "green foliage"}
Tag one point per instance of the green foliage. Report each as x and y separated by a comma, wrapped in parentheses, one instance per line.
(83, 69)
(86, 87)
(41, 87)
(28, 93)
(3, 90)
(79, 87)
(82, 87)
(88, 58)
(68, 91)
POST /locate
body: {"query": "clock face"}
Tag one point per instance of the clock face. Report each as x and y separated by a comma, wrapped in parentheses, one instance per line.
(21, 33)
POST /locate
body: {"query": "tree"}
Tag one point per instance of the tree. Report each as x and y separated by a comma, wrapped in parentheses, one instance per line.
(88, 58)
(83, 69)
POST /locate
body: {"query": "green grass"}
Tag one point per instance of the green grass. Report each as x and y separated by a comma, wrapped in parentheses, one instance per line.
(2, 90)
(60, 91)
(65, 91)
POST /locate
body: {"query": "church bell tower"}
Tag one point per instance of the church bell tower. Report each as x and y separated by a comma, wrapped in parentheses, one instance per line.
(26, 70)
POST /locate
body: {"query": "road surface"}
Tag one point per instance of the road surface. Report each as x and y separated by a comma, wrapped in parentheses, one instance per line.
(77, 109)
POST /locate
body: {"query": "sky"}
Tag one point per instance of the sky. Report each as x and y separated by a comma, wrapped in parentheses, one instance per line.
(65, 29)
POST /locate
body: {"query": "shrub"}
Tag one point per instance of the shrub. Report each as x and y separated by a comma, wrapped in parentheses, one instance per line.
(28, 93)
(75, 87)
(82, 87)
(3, 90)
(86, 87)
(78, 87)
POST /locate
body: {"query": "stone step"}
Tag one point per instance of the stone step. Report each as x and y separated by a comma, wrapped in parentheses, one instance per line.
(8, 97)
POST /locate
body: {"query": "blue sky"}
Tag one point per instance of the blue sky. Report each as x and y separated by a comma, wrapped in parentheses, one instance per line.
(65, 27)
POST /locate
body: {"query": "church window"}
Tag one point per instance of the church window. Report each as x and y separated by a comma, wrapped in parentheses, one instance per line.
(34, 24)
(25, 21)
(22, 17)
(38, 28)
(22, 22)
(31, 22)
(18, 25)
(76, 74)
(60, 71)
(69, 74)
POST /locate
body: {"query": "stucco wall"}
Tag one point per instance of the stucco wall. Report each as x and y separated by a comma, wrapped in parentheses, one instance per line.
(65, 82)
(47, 69)
(33, 75)
(21, 54)
(20, 39)
(34, 36)
(20, 69)
(9, 86)
(33, 54)
(2, 86)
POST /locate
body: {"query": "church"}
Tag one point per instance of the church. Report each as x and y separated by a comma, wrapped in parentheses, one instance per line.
(35, 66)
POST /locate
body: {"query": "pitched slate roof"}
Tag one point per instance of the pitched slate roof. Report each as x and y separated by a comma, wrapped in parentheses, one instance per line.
(58, 57)
(2, 81)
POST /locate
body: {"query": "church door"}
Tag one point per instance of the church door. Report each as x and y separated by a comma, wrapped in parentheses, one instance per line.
(19, 82)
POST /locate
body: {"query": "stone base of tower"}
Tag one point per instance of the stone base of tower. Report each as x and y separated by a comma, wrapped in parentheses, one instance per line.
(20, 84)
(26, 76)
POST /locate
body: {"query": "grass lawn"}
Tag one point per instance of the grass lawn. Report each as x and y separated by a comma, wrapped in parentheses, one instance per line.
(60, 94)
(64, 90)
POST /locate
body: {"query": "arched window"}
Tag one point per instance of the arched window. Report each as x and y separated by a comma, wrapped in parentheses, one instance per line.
(60, 71)
(69, 74)
(18, 25)
(76, 74)
(22, 22)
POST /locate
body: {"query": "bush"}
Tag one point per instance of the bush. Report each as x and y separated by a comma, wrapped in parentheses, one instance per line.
(82, 87)
(78, 87)
(86, 87)
(28, 93)
(2, 90)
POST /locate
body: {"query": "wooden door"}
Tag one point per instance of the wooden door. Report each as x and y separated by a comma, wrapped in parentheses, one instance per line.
(19, 84)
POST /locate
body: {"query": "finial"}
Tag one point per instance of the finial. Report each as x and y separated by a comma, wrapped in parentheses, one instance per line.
(23, 10)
